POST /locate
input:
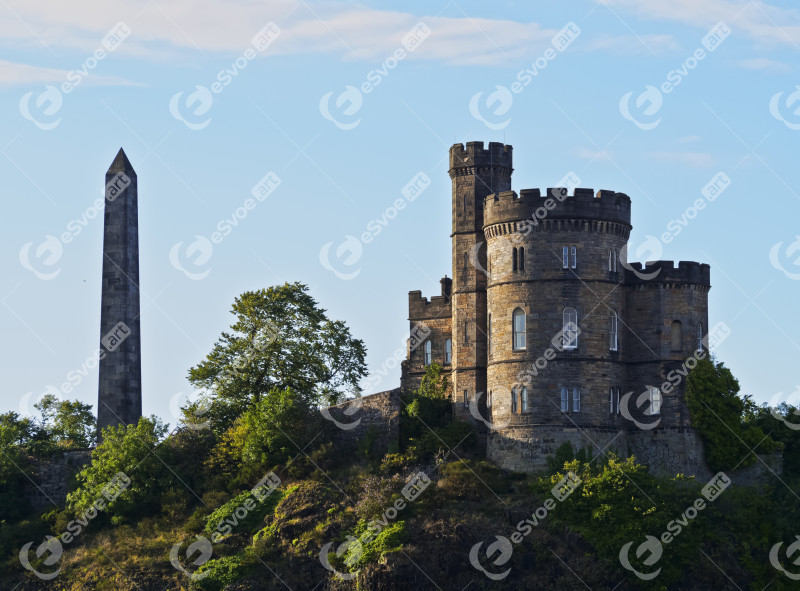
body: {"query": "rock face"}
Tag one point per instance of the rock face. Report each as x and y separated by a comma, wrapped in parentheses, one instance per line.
(119, 398)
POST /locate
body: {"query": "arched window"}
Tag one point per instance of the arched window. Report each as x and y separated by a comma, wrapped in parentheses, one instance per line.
(613, 332)
(570, 317)
(427, 352)
(521, 254)
(676, 336)
(448, 352)
(524, 399)
(518, 329)
(699, 337)
(513, 400)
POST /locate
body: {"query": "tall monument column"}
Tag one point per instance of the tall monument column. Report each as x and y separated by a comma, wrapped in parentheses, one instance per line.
(119, 398)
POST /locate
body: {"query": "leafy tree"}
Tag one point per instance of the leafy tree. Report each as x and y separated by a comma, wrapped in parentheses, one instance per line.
(281, 340)
(278, 427)
(70, 423)
(127, 452)
(720, 416)
(15, 432)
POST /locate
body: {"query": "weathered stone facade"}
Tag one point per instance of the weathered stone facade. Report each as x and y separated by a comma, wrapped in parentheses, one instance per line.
(554, 336)
(373, 419)
(50, 479)
(119, 399)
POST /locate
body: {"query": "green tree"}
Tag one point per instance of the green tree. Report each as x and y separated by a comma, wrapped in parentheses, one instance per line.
(127, 452)
(69, 423)
(720, 416)
(277, 428)
(15, 432)
(281, 340)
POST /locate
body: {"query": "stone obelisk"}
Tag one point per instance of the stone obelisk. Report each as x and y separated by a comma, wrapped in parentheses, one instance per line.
(119, 399)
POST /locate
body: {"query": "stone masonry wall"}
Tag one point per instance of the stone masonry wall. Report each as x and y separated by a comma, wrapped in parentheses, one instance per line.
(354, 421)
(53, 476)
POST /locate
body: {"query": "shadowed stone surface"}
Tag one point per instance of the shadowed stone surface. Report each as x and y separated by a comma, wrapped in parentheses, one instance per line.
(120, 387)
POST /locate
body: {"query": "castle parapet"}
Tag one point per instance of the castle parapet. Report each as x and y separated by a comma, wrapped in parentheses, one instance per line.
(497, 155)
(557, 203)
(656, 272)
(420, 308)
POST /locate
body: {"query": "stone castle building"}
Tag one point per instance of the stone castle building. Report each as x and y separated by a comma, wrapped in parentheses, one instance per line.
(547, 334)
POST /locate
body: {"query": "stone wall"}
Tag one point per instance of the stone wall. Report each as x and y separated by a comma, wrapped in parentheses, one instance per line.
(52, 478)
(376, 416)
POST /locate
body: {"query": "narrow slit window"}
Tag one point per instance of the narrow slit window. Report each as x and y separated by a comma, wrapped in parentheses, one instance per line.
(521, 254)
(613, 332)
(524, 401)
(518, 328)
(576, 400)
(427, 352)
(565, 257)
(448, 352)
(564, 399)
(570, 317)
(574, 255)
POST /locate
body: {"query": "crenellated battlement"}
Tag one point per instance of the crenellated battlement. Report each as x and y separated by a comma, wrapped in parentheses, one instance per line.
(420, 308)
(557, 203)
(659, 272)
(497, 155)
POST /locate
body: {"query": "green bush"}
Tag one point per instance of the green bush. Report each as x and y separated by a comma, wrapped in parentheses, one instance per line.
(220, 572)
(231, 516)
(390, 539)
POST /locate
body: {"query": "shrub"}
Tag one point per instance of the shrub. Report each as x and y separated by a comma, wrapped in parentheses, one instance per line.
(243, 512)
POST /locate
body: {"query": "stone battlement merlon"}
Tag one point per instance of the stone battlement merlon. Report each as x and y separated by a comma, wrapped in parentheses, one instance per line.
(687, 273)
(420, 308)
(497, 155)
(556, 203)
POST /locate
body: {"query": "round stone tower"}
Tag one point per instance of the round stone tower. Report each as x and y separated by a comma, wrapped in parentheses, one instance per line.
(555, 304)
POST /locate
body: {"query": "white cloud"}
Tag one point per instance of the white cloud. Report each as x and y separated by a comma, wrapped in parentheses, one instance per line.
(764, 63)
(767, 24)
(16, 74)
(696, 159)
(588, 154)
(635, 44)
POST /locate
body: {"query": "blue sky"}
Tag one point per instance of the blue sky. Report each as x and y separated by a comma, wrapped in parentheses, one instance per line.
(333, 108)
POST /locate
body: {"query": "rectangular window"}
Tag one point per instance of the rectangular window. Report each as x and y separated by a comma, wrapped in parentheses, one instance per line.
(617, 400)
(513, 259)
(521, 253)
(611, 401)
(576, 400)
(513, 400)
(564, 399)
(466, 399)
(574, 255)
(466, 333)
(655, 401)
(448, 352)
(565, 257)
(613, 333)
(524, 399)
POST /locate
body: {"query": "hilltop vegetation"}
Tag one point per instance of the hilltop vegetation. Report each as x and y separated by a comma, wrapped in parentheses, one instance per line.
(248, 492)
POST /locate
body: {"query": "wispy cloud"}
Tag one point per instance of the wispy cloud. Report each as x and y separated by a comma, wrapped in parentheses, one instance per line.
(695, 159)
(16, 74)
(635, 44)
(766, 64)
(767, 24)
